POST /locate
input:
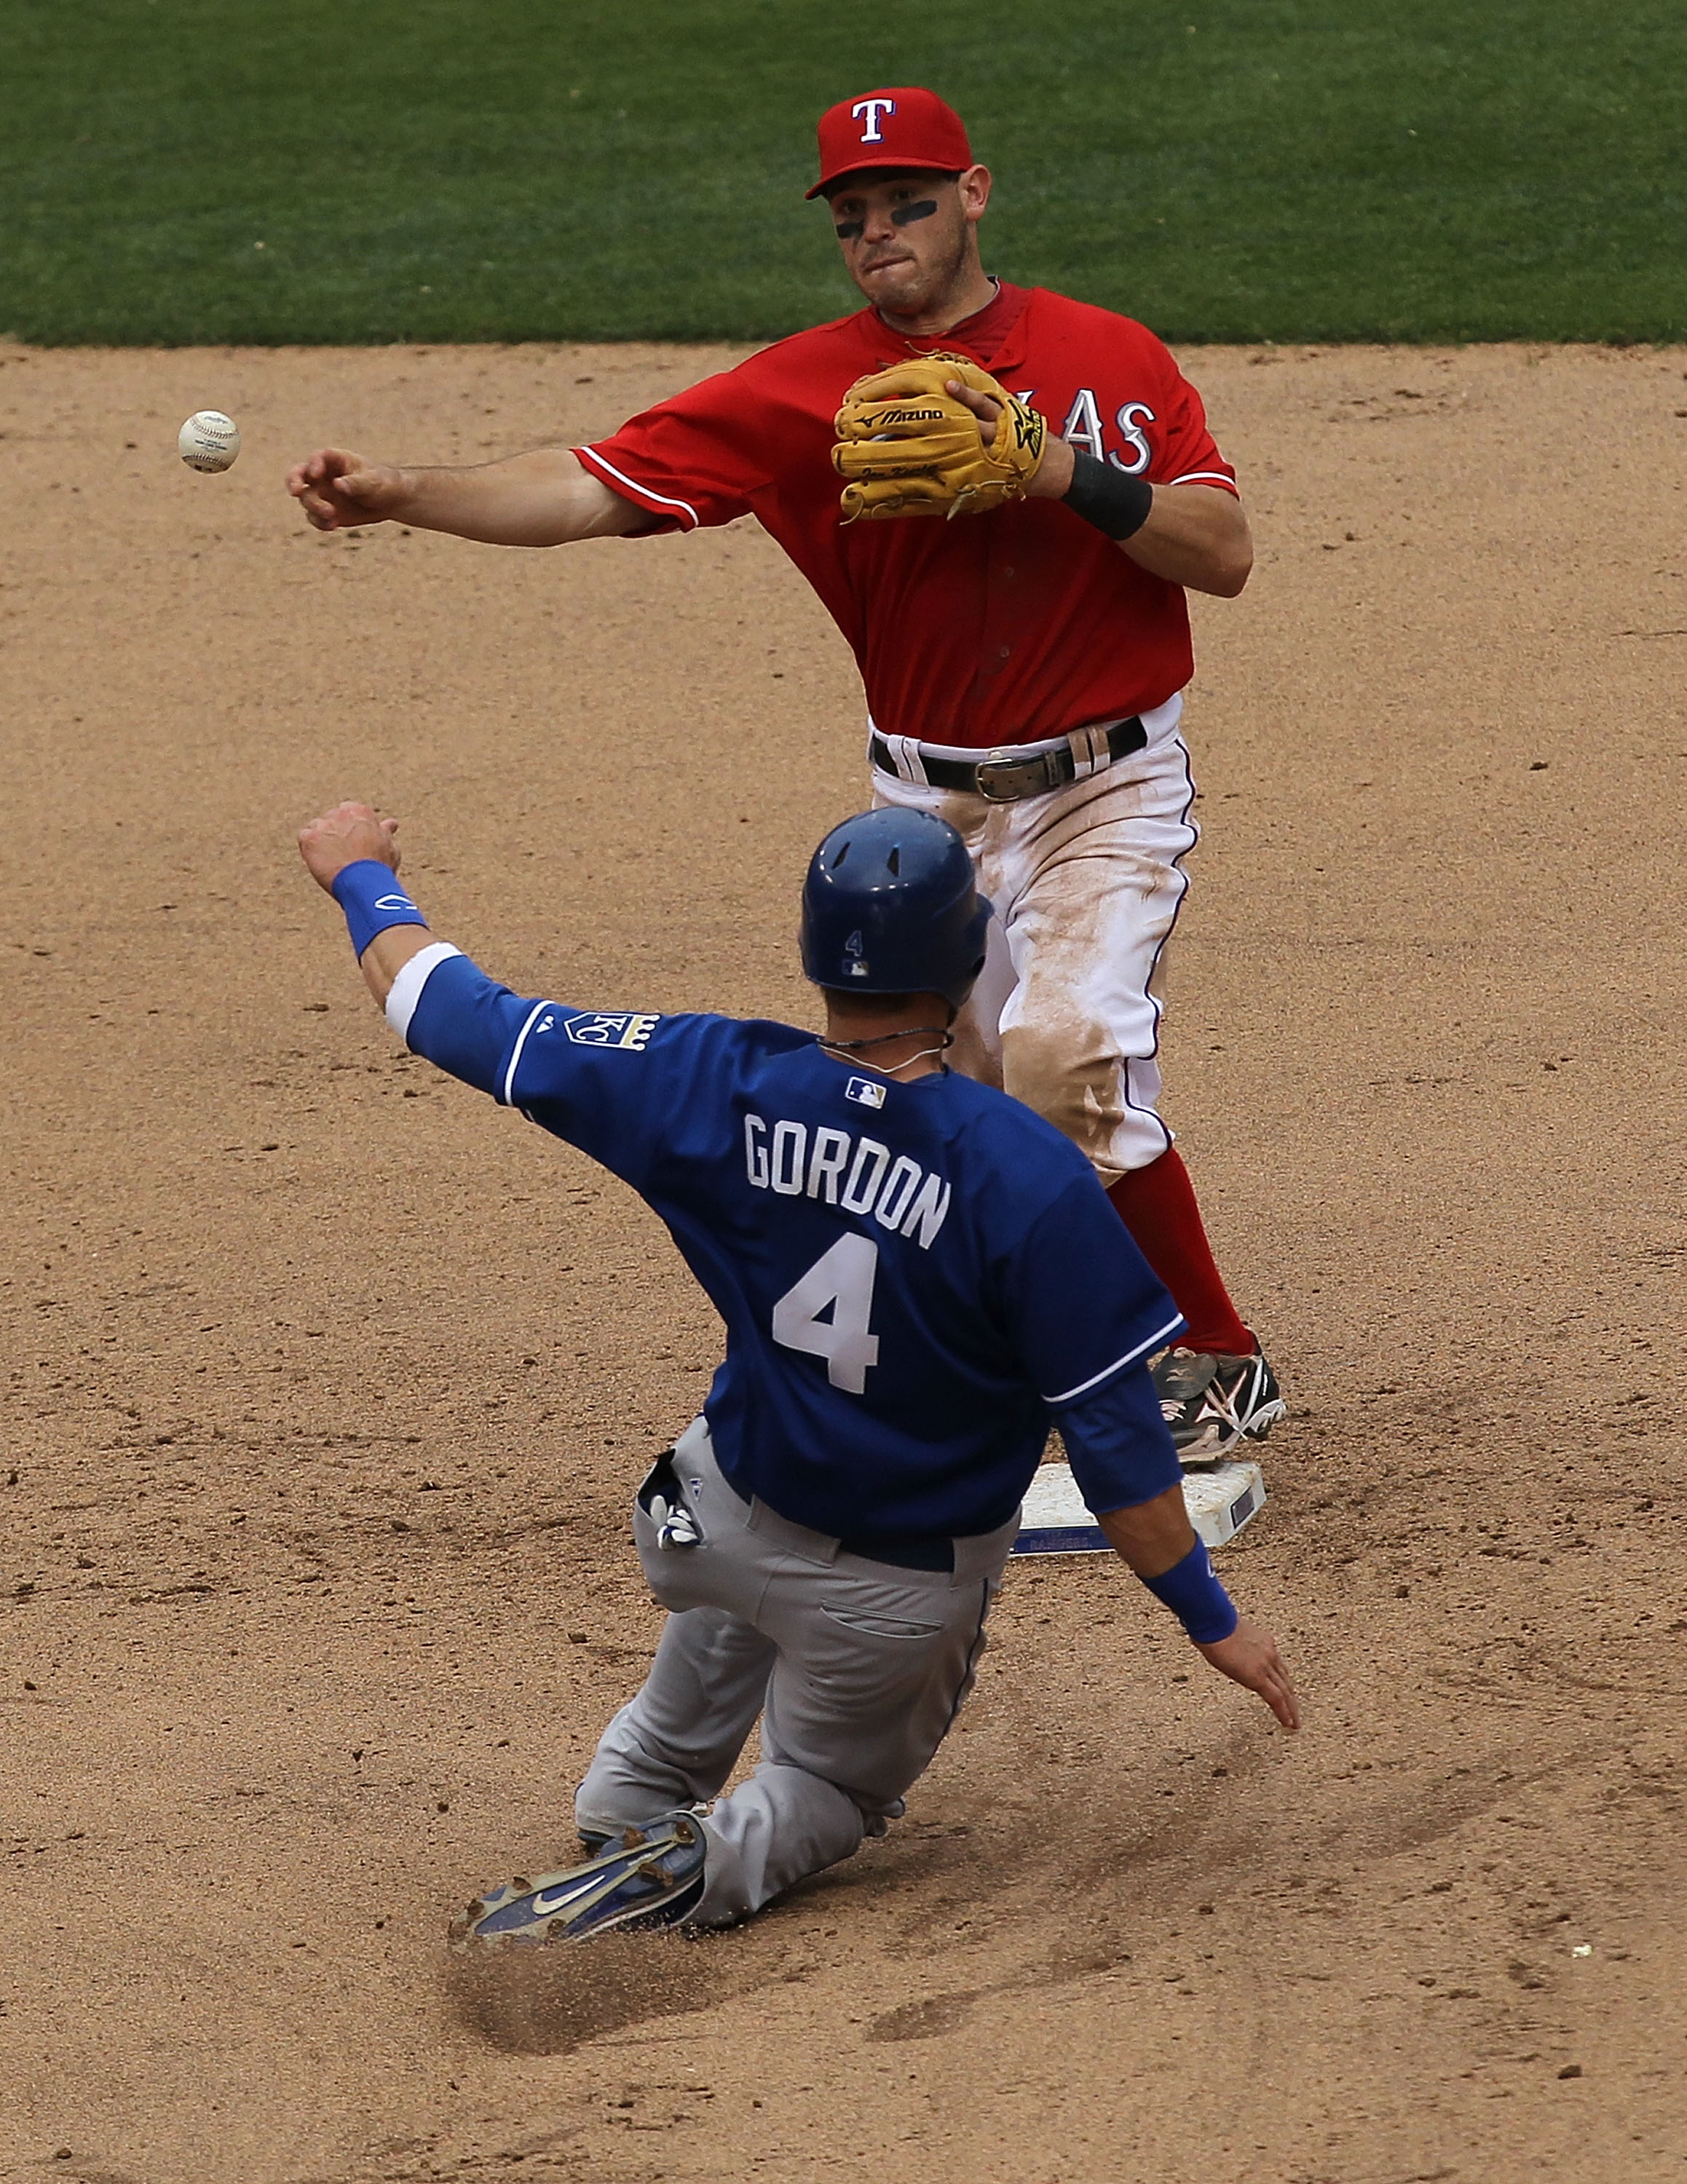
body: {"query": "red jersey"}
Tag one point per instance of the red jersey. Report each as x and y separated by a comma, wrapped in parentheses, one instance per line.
(993, 629)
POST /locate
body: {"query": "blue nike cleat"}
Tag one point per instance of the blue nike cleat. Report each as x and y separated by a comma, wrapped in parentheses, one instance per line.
(651, 1875)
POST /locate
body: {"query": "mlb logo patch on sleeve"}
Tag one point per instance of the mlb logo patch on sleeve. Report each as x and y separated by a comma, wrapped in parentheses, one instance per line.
(864, 1092)
(624, 1029)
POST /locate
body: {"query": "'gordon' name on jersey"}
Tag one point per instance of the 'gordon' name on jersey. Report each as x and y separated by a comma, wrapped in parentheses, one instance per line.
(859, 1174)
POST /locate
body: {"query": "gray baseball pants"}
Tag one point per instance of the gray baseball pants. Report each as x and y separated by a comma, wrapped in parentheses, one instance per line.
(856, 1667)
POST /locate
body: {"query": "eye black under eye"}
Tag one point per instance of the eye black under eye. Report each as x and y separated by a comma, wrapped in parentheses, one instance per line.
(905, 215)
(850, 231)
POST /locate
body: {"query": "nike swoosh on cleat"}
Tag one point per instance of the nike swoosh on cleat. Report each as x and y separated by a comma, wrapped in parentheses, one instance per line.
(543, 1909)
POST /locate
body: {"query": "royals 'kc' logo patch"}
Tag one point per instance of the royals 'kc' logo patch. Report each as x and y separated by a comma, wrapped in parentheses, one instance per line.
(625, 1029)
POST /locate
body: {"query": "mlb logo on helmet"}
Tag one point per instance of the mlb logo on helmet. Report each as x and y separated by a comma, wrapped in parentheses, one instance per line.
(902, 126)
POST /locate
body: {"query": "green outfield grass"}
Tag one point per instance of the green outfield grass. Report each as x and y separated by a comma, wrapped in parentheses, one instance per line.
(313, 171)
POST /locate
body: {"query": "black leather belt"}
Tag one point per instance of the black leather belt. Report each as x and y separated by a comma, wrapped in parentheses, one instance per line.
(1005, 775)
(902, 1550)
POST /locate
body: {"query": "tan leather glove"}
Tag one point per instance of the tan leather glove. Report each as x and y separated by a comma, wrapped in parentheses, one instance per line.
(908, 447)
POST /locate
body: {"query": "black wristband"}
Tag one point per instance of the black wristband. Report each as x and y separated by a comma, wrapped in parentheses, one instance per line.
(1116, 504)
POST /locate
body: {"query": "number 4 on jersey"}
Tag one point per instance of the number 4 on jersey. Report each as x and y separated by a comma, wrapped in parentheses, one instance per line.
(842, 1279)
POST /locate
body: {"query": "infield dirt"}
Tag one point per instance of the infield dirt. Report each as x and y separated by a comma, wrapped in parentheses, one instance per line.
(329, 1383)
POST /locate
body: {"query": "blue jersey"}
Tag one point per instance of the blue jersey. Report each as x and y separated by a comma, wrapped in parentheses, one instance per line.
(915, 1279)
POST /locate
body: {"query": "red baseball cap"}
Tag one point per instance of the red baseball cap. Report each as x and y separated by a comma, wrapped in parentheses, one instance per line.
(903, 128)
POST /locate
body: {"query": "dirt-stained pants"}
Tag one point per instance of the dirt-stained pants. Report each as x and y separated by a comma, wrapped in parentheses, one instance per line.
(856, 1669)
(1087, 882)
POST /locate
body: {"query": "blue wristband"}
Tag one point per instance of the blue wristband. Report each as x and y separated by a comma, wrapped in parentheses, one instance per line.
(1195, 1597)
(370, 895)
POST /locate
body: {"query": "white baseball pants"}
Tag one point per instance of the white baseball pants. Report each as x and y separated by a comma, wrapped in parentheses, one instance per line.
(856, 1669)
(1087, 882)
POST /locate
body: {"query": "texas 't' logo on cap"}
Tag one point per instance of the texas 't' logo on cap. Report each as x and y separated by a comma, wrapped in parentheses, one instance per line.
(867, 111)
(901, 126)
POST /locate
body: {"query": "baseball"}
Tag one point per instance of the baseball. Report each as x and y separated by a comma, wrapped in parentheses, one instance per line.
(209, 440)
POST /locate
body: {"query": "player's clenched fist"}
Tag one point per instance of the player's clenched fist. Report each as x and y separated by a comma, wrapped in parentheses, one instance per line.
(338, 490)
(348, 835)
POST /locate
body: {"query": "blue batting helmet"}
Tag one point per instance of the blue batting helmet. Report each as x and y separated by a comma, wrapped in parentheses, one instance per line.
(890, 906)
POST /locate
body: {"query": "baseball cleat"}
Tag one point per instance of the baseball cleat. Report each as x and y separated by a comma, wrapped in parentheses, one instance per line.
(650, 1875)
(1212, 1402)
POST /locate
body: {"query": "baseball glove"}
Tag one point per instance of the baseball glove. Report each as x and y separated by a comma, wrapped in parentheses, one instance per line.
(908, 447)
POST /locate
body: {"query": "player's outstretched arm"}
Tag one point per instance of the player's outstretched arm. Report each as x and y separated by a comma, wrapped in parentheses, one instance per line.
(1083, 1290)
(1159, 1542)
(443, 1006)
(544, 498)
(353, 834)
(449, 1012)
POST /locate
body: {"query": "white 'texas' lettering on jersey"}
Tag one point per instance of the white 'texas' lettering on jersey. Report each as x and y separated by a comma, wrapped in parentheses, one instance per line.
(858, 1174)
(1083, 429)
(1130, 418)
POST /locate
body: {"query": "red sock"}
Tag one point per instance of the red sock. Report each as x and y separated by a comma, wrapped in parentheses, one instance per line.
(1157, 1205)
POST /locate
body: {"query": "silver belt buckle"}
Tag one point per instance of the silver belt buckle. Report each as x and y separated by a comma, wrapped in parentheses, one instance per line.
(1009, 761)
